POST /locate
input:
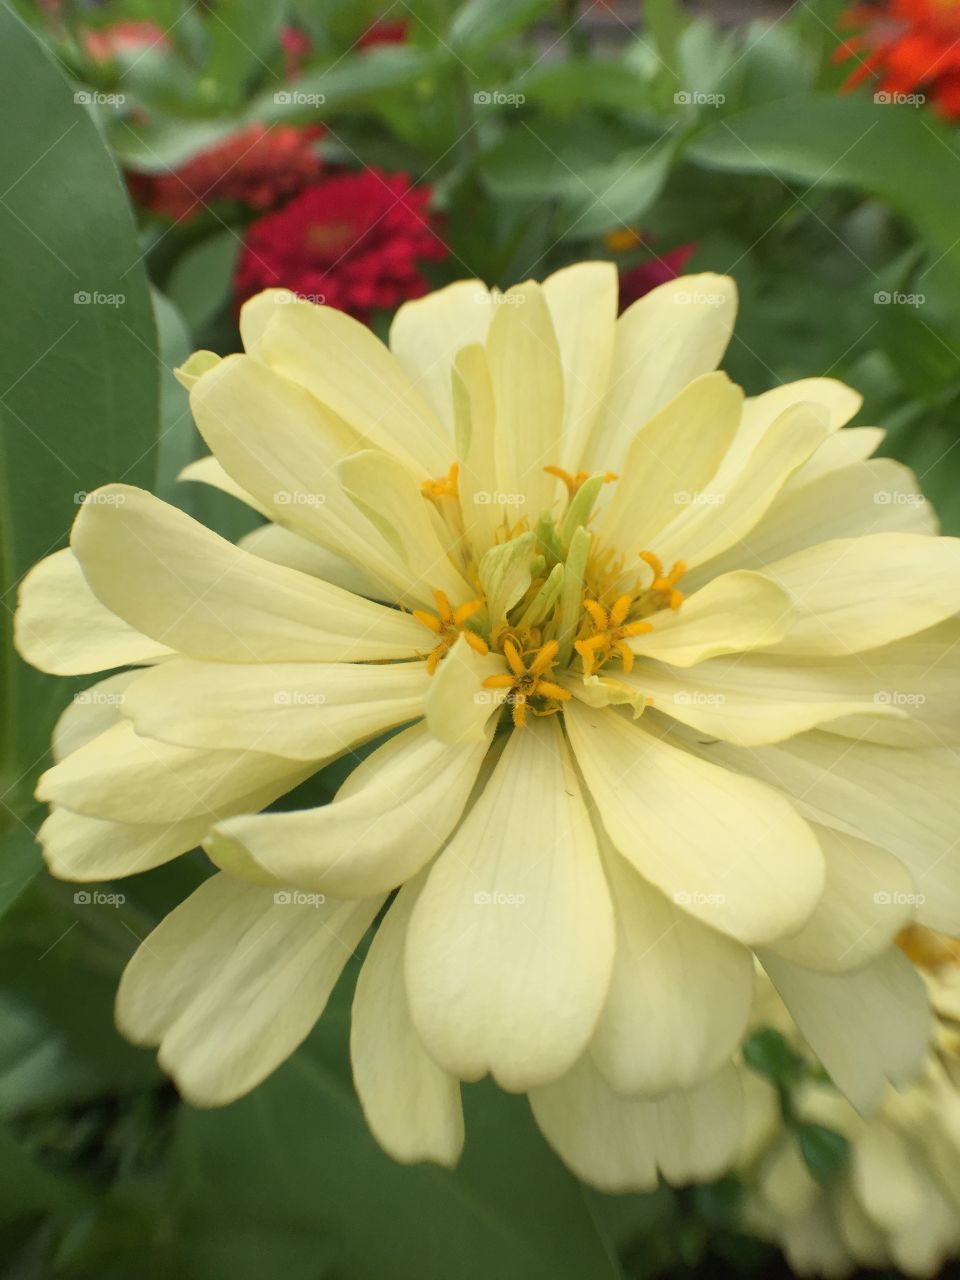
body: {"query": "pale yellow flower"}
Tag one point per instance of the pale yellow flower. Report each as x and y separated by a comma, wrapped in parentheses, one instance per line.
(896, 1201)
(670, 677)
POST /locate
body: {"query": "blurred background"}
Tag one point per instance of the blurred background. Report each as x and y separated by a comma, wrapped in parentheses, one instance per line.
(163, 160)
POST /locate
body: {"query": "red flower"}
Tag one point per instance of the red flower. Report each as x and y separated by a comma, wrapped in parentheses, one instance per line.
(297, 47)
(107, 43)
(257, 167)
(353, 241)
(911, 46)
(655, 271)
(383, 31)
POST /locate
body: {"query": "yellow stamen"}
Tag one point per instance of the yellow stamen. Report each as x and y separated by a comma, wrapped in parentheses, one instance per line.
(445, 487)
(448, 625)
(573, 482)
(612, 632)
(665, 584)
(526, 682)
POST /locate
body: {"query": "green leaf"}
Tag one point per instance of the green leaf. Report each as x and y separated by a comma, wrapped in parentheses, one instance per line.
(354, 82)
(296, 1158)
(897, 153)
(768, 1054)
(78, 373)
(826, 1153)
(200, 282)
(480, 24)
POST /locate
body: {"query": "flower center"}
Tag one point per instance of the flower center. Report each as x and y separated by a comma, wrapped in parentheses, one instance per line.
(549, 599)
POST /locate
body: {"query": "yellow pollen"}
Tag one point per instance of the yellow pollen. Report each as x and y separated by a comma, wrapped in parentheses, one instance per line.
(611, 633)
(526, 680)
(622, 239)
(573, 482)
(448, 624)
(665, 583)
(445, 487)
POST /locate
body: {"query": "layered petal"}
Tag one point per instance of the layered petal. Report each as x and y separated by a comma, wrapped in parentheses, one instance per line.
(388, 819)
(739, 858)
(61, 627)
(867, 1027)
(665, 340)
(623, 1144)
(679, 997)
(411, 1104)
(232, 981)
(510, 945)
(310, 711)
(187, 587)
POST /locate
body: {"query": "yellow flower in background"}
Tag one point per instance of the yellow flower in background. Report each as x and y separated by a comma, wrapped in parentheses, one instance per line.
(669, 678)
(896, 1201)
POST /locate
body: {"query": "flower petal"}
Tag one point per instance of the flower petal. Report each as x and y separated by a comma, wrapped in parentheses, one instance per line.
(411, 1104)
(185, 586)
(510, 945)
(866, 1027)
(732, 614)
(352, 373)
(621, 1144)
(583, 306)
(388, 819)
(853, 594)
(527, 379)
(280, 546)
(738, 858)
(426, 334)
(232, 981)
(867, 899)
(61, 627)
(311, 711)
(671, 461)
(125, 778)
(77, 847)
(665, 340)
(679, 997)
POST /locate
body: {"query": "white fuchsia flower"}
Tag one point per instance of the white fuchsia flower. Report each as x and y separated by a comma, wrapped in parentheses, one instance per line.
(669, 678)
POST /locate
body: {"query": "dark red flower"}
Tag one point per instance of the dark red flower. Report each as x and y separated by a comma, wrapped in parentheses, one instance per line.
(383, 31)
(909, 47)
(297, 47)
(354, 241)
(257, 168)
(641, 279)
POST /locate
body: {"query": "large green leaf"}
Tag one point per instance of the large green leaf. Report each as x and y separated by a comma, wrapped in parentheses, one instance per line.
(78, 374)
(898, 153)
(295, 1164)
